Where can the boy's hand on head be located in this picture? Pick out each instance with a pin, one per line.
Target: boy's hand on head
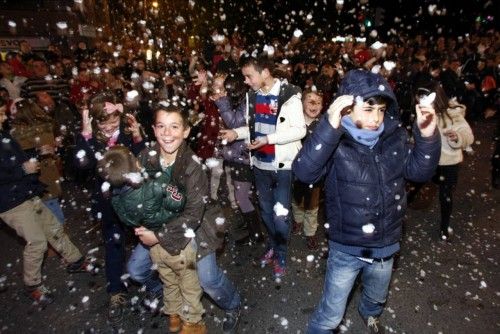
(335, 110)
(146, 236)
(426, 120)
(86, 122)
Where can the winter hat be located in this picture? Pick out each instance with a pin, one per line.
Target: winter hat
(367, 84)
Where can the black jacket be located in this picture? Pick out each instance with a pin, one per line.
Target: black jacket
(16, 186)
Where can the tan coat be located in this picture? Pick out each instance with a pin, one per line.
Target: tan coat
(451, 151)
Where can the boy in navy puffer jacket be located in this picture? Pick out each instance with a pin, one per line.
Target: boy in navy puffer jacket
(364, 156)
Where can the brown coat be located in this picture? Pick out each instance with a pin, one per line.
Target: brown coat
(188, 175)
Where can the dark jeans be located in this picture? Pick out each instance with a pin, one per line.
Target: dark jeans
(274, 188)
(113, 232)
(446, 177)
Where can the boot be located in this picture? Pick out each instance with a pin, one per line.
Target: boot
(310, 227)
(298, 218)
(252, 220)
(174, 323)
(239, 230)
(194, 328)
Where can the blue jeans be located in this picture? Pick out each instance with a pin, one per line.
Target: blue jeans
(216, 284)
(341, 273)
(55, 207)
(275, 187)
(213, 281)
(139, 268)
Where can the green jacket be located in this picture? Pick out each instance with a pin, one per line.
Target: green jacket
(151, 205)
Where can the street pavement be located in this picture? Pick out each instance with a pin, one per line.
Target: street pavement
(437, 287)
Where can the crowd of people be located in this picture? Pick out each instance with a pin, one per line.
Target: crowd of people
(291, 125)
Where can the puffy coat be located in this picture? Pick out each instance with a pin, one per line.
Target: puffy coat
(237, 150)
(362, 185)
(451, 151)
(197, 215)
(151, 205)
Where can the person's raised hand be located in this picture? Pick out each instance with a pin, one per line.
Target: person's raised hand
(86, 122)
(335, 110)
(426, 119)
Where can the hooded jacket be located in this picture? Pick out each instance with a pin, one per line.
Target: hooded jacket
(366, 186)
(151, 205)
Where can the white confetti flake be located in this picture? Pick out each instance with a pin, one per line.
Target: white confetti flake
(318, 147)
(220, 221)
(134, 178)
(152, 153)
(483, 285)
(212, 163)
(131, 95)
(98, 156)
(85, 299)
(297, 33)
(368, 228)
(280, 210)
(427, 100)
(105, 186)
(81, 154)
(189, 233)
(358, 100)
(381, 88)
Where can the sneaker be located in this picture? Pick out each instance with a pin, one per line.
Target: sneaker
(174, 323)
(267, 258)
(279, 270)
(40, 294)
(296, 228)
(231, 321)
(80, 266)
(117, 304)
(312, 243)
(373, 325)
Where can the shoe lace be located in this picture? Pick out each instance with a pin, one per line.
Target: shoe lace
(117, 300)
(372, 323)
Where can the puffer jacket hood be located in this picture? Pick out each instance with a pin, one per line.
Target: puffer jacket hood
(367, 84)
